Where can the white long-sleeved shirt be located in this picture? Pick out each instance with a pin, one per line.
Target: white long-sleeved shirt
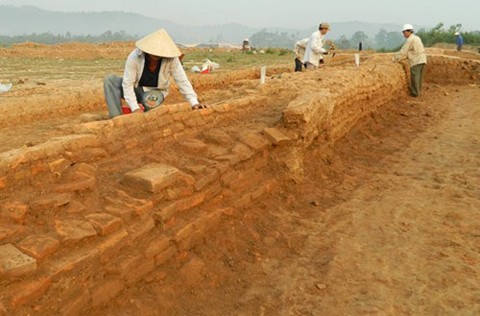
(413, 50)
(314, 50)
(170, 67)
(299, 48)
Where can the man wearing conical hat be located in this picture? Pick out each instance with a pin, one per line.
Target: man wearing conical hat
(146, 79)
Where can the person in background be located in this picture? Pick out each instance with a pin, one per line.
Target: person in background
(459, 41)
(146, 78)
(314, 50)
(414, 51)
(299, 50)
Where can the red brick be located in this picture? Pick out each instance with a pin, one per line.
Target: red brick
(39, 246)
(36, 169)
(15, 263)
(59, 165)
(103, 223)
(29, 291)
(177, 127)
(259, 192)
(255, 141)
(74, 230)
(165, 256)
(104, 292)
(156, 246)
(186, 237)
(75, 306)
(219, 137)
(175, 108)
(3, 310)
(105, 249)
(192, 146)
(79, 142)
(8, 231)
(125, 265)
(181, 116)
(241, 201)
(87, 184)
(195, 121)
(232, 159)
(230, 178)
(195, 169)
(152, 178)
(208, 222)
(124, 213)
(140, 228)
(140, 271)
(214, 151)
(88, 155)
(214, 191)
(112, 245)
(208, 177)
(15, 210)
(51, 202)
(243, 151)
(121, 200)
(75, 207)
(276, 137)
(261, 161)
(168, 210)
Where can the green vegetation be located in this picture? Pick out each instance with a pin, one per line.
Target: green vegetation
(236, 59)
(49, 38)
(439, 35)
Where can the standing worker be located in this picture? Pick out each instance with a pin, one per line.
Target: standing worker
(299, 50)
(414, 51)
(146, 79)
(459, 41)
(314, 51)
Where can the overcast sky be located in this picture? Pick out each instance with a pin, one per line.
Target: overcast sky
(298, 14)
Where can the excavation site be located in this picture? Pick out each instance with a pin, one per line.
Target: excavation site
(322, 192)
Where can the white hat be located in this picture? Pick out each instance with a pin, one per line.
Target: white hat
(456, 33)
(160, 44)
(407, 27)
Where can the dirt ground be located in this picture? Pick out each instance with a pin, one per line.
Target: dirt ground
(385, 223)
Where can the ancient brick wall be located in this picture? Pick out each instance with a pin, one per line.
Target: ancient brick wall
(88, 214)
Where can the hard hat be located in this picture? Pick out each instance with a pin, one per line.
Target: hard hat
(324, 25)
(456, 33)
(407, 27)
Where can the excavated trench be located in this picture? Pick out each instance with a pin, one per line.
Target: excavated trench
(94, 206)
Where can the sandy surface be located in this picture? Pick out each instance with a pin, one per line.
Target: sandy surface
(386, 223)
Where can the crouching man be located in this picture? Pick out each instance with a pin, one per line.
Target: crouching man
(146, 79)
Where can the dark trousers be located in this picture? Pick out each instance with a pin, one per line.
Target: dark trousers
(298, 65)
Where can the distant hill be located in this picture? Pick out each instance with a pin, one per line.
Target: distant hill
(28, 20)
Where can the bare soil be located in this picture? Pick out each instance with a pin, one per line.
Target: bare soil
(385, 223)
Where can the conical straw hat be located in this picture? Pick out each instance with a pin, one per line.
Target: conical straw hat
(159, 43)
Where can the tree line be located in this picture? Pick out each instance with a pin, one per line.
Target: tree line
(49, 38)
(382, 41)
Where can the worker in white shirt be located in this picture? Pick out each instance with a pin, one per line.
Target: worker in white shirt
(146, 78)
(299, 50)
(414, 51)
(315, 50)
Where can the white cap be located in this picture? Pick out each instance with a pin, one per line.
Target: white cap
(407, 27)
(456, 33)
